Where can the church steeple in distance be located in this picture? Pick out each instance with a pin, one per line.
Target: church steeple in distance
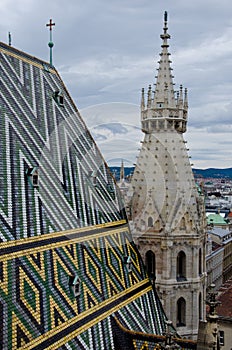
(122, 172)
(164, 104)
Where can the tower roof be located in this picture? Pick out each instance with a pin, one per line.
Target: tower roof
(164, 83)
(163, 103)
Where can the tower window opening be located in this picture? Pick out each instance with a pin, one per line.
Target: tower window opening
(181, 313)
(150, 222)
(150, 264)
(181, 267)
(200, 262)
(183, 224)
(200, 307)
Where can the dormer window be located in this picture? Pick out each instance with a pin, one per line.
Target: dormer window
(59, 98)
(128, 263)
(75, 285)
(33, 176)
(93, 177)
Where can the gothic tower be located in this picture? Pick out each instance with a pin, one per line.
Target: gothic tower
(166, 208)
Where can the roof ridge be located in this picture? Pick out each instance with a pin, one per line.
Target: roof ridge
(11, 49)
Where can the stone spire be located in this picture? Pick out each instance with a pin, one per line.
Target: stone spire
(164, 81)
(142, 100)
(122, 172)
(164, 105)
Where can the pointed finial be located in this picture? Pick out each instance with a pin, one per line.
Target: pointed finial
(50, 44)
(9, 38)
(165, 22)
(181, 92)
(165, 16)
(181, 96)
(185, 98)
(149, 97)
(177, 98)
(122, 172)
(165, 93)
(165, 34)
(142, 100)
(212, 301)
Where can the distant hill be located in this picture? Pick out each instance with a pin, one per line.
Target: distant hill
(214, 173)
(205, 173)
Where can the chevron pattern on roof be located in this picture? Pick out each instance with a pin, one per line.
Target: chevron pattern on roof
(38, 132)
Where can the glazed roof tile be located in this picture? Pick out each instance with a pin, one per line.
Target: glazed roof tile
(225, 297)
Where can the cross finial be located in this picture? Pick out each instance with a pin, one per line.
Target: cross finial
(50, 24)
(50, 44)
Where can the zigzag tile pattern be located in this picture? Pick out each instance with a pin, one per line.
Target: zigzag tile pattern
(75, 185)
(69, 224)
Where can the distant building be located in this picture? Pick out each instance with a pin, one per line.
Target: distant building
(123, 183)
(224, 238)
(216, 220)
(214, 264)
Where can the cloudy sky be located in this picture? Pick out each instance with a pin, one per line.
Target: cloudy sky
(106, 51)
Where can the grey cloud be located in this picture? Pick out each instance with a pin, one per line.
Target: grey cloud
(98, 137)
(115, 128)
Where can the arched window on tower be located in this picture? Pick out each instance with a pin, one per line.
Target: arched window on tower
(183, 224)
(200, 262)
(181, 267)
(200, 307)
(150, 264)
(150, 222)
(181, 313)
